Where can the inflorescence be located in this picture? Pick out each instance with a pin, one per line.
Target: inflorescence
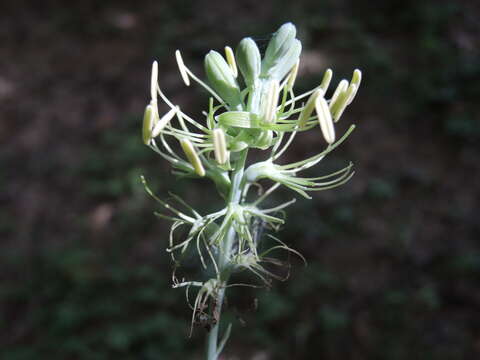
(258, 109)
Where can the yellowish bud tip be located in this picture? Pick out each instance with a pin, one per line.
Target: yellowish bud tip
(181, 67)
(270, 102)
(154, 81)
(325, 119)
(192, 157)
(220, 146)
(308, 108)
(293, 75)
(327, 77)
(231, 60)
(160, 125)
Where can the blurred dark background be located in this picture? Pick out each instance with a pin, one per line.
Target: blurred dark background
(394, 255)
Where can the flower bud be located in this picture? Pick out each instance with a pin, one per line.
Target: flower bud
(192, 157)
(231, 60)
(249, 60)
(308, 108)
(282, 52)
(221, 78)
(220, 146)
(325, 119)
(181, 67)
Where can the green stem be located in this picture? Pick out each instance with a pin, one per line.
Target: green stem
(224, 254)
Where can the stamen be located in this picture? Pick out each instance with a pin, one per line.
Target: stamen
(231, 60)
(356, 80)
(163, 122)
(148, 120)
(342, 102)
(327, 77)
(154, 81)
(192, 156)
(220, 146)
(308, 108)
(342, 86)
(270, 102)
(325, 119)
(293, 75)
(182, 68)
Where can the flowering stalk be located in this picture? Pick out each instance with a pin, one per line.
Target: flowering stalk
(257, 110)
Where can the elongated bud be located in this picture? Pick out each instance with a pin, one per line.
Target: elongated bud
(192, 157)
(249, 60)
(293, 75)
(221, 78)
(308, 108)
(356, 80)
(342, 87)
(270, 101)
(282, 52)
(327, 77)
(325, 119)
(154, 81)
(181, 67)
(220, 146)
(231, 60)
(160, 125)
(342, 102)
(148, 122)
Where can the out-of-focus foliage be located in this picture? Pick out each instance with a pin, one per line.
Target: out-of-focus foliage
(394, 258)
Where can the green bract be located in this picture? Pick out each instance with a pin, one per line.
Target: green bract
(258, 111)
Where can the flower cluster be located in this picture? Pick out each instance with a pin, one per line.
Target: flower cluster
(252, 105)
